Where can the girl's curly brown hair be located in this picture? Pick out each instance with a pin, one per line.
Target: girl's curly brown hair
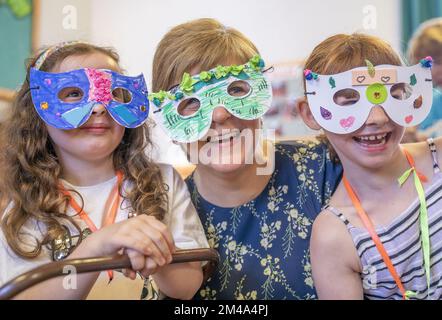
(31, 171)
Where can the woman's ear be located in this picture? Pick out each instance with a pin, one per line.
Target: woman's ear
(304, 111)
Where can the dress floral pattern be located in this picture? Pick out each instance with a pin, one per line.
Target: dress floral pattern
(264, 244)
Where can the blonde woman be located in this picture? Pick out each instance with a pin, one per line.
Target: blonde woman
(259, 223)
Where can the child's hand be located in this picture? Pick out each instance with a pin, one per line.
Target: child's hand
(146, 266)
(148, 242)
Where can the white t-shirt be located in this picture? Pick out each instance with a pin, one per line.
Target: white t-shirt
(182, 220)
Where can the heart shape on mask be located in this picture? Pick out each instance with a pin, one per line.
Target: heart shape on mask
(385, 79)
(360, 79)
(408, 119)
(347, 123)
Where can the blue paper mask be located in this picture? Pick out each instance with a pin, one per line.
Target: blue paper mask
(66, 100)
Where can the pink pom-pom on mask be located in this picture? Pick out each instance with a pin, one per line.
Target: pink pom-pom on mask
(309, 75)
(100, 86)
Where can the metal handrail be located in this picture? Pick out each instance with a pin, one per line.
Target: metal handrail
(84, 265)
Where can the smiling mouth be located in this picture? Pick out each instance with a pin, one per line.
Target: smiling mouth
(224, 137)
(374, 140)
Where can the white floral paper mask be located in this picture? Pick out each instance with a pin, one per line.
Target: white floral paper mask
(341, 103)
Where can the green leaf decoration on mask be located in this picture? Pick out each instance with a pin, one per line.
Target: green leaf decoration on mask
(158, 97)
(332, 82)
(370, 67)
(413, 80)
(187, 83)
(236, 70)
(205, 76)
(221, 71)
(256, 62)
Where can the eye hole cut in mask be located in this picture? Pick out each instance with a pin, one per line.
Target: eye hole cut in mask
(66, 100)
(185, 112)
(341, 103)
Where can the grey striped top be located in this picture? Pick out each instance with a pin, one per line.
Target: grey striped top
(401, 239)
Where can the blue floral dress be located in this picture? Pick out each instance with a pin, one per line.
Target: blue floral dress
(264, 244)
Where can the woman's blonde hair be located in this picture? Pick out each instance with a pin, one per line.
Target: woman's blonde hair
(426, 41)
(343, 52)
(202, 43)
(30, 169)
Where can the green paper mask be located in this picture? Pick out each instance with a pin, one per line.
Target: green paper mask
(186, 112)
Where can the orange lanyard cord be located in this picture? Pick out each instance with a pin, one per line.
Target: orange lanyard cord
(374, 236)
(410, 159)
(109, 218)
(370, 228)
